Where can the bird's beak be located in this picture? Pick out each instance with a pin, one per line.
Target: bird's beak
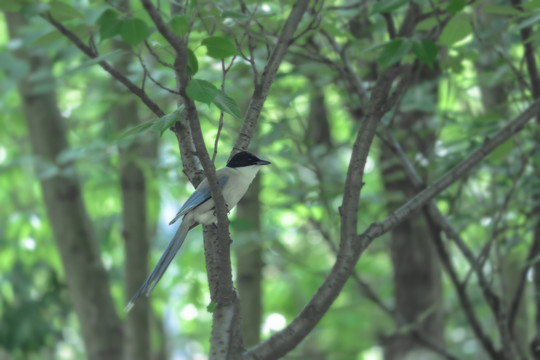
(263, 162)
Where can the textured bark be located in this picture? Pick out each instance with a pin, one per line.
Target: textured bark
(534, 78)
(511, 265)
(135, 229)
(134, 221)
(318, 130)
(535, 344)
(417, 275)
(249, 265)
(495, 100)
(86, 277)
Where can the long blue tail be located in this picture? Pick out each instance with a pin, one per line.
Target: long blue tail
(162, 264)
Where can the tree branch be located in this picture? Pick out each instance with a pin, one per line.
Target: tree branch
(490, 144)
(106, 66)
(174, 40)
(283, 341)
(263, 86)
(289, 337)
(438, 223)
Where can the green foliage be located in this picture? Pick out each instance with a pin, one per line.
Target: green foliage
(201, 90)
(134, 31)
(26, 324)
(62, 11)
(227, 104)
(219, 47)
(160, 125)
(387, 6)
(211, 307)
(457, 29)
(393, 52)
(109, 24)
(455, 6)
(205, 92)
(426, 51)
(193, 63)
(305, 184)
(180, 25)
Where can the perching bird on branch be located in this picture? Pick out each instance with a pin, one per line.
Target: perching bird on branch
(234, 180)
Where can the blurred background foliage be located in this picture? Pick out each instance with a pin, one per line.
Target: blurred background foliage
(497, 204)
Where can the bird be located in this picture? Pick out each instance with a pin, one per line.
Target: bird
(234, 180)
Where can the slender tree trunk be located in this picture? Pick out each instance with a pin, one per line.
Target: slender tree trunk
(249, 265)
(135, 233)
(135, 230)
(535, 344)
(134, 226)
(495, 100)
(86, 277)
(417, 275)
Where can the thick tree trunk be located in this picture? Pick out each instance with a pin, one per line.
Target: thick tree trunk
(86, 277)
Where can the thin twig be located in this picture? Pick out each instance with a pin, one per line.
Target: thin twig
(156, 56)
(158, 84)
(362, 285)
(106, 66)
(263, 86)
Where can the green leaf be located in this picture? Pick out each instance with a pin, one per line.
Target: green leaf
(201, 90)
(94, 61)
(427, 24)
(180, 25)
(10, 5)
(371, 48)
(48, 38)
(531, 5)
(81, 30)
(211, 307)
(219, 47)
(109, 24)
(386, 6)
(165, 122)
(134, 31)
(526, 23)
(160, 125)
(455, 6)
(29, 10)
(426, 51)
(502, 152)
(393, 52)
(501, 10)
(62, 11)
(234, 15)
(192, 64)
(227, 104)
(136, 130)
(457, 29)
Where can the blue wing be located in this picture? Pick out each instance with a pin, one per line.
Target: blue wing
(200, 195)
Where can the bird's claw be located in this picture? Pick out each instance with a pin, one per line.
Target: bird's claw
(226, 206)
